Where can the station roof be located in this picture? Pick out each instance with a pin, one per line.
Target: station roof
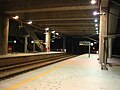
(67, 17)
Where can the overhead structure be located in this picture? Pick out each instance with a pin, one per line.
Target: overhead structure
(75, 17)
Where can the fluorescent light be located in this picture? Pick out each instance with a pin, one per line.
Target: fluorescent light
(52, 41)
(57, 33)
(96, 28)
(96, 25)
(96, 20)
(15, 41)
(52, 31)
(32, 41)
(91, 44)
(46, 29)
(93, 1)
(15, 17)
(30, 22)
(95, 13)
(95, 42)
(97, 32)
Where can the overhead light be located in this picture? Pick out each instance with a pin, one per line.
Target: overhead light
(93, 1)
(30, 22)
(96, 25)
(15, 17)
(15, 41)
(95, 13)
(91, 44)
(46, 29)
(104, 13)
(32, 41)
(95, 42)
(52, 41)
(96, 28)
(52, 31)
(57, 33)
(96, 20)
(97, 32)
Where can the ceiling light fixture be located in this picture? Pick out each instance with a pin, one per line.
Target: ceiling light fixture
(91, 44)
(46, 29)
(30, 22)
(32, 41)
(52, 31)
(95, 13)
(96, 25)
(57, 33)
(15, 17)
(97, 32)
(96, 28)
(93, 1)
(15, 41)
(96, 20)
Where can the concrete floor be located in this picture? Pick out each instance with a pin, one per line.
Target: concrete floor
(79, 73)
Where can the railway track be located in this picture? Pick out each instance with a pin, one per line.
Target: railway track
(13, 70)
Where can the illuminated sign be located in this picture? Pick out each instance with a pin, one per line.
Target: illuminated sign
(84, 43)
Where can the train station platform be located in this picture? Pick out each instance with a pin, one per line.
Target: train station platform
(26, 54)
(78, 73)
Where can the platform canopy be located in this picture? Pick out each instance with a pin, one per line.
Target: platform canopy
(67, 17)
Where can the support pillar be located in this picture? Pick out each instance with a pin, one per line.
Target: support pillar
(26, 43)
(89, 48)
(103, 39)
(34, 46)
(109, 47)
(47, 41)
(64, 44)
(4, 29)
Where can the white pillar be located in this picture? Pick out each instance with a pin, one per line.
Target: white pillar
(4, 29)
(110, 48)
(102, 38)
(47, 41)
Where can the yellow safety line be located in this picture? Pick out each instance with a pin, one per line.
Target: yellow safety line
(35, 77)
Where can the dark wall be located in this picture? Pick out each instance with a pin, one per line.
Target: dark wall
(116, 46)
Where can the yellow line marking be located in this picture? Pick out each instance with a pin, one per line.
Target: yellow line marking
(35, 77)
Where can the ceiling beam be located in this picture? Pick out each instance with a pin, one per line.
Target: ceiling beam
(74, 30)
(33, 10)
(69, 27)
(63, 24)
(63, 19)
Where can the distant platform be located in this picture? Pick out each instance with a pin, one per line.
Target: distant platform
(27, 54)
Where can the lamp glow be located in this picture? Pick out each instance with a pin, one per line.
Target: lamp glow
(15, 17)
(57, 33)
(91, 44)
(93, 1)
(52, 31)
(30, 22)
(32, 41)
(96, 20)
(46, 29)
(97, 32)
(96, 25)
(95, 13)
(96, 28)
(15, 41)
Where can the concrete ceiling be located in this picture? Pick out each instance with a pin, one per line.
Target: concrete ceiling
(68, 17)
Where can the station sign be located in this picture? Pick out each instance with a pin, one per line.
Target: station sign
(84, 43)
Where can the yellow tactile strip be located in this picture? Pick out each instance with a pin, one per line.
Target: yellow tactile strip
(12, 87)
